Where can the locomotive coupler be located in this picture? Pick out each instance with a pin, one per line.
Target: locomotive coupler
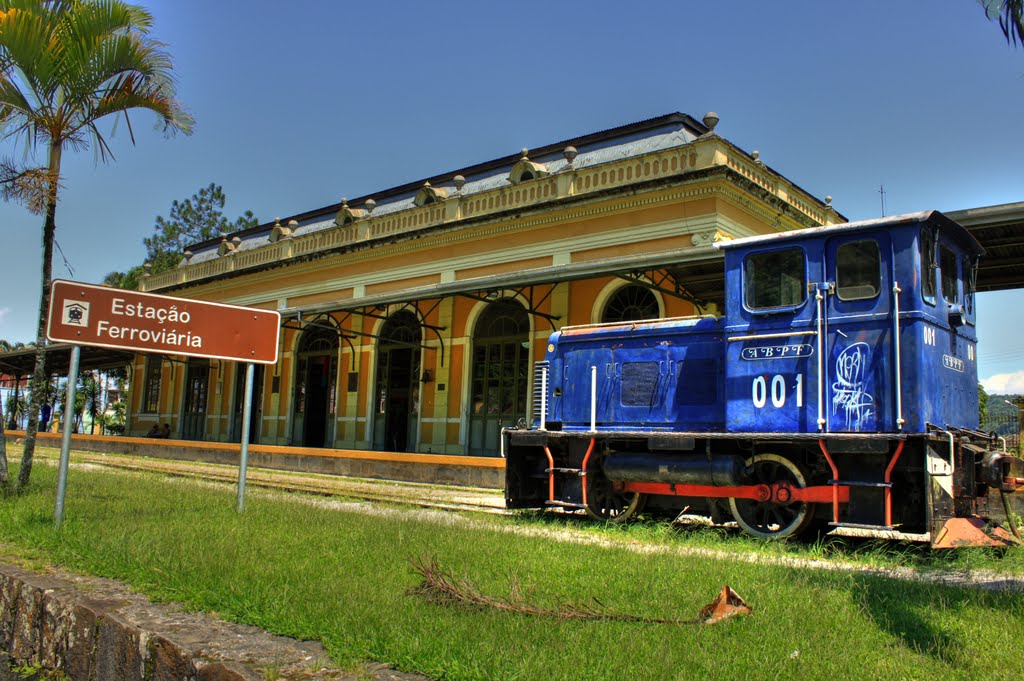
(997, 471)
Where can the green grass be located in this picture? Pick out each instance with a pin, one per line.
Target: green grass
(295, 567)
(865, 552)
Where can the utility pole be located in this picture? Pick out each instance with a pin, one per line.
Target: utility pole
(881, 191)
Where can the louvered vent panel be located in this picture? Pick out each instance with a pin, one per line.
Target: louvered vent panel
(538, 381)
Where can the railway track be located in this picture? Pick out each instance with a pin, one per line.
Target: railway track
(471, 499)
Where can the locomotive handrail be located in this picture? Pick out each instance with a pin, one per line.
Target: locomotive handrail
(593, 399)
(818, 298)
(896, 350)
(759, 336)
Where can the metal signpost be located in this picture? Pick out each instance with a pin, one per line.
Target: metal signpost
(85, 314)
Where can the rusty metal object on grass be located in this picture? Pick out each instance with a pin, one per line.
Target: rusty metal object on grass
(727, 604)
(973, 531)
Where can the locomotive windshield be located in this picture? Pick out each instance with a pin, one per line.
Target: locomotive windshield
(774, 279)
(858, 270)
(950, 279)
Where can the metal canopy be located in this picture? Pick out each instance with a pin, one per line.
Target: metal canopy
(684, 261)
(1000, 230)
(22, 362)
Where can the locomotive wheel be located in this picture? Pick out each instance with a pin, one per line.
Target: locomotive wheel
(768, 519)
(604, 503)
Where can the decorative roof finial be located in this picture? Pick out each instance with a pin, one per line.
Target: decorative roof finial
(570, 154)
(459, 181)
(711, 120)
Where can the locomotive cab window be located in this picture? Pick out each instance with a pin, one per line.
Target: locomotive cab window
(928, 266)
(858, 270)
(777, 279)
(950, 276)
(970, 269)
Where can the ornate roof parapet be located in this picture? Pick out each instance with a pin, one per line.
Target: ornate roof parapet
(347, 215)
(525, 169)
(281, 232)
(228, 247)
(428, 195)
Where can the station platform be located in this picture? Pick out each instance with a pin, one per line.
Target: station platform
(440, 469)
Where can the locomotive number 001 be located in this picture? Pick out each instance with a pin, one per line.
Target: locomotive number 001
(760, 391)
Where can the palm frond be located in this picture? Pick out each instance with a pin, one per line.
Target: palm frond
(1010, 15)
(29, 186)
(66, 65)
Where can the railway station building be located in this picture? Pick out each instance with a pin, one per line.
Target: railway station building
(411, 317)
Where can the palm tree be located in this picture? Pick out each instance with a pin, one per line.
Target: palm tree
(3, 450)
(92, 397)
(65, 66)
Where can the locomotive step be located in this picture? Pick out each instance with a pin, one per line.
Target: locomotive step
(863, 526)
(565, 504)
(851, 483)
(577, 471)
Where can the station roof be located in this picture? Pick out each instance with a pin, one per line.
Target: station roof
(627, 141)
(1000, 230)
(21, 362)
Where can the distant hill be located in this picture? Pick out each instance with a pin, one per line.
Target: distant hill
(997, 405)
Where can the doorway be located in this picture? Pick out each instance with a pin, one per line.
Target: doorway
(256, 417)
(396, 404)
(501, 364)
(314, 399)
(197, 384)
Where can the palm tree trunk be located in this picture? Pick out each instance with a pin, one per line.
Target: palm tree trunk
(40, 378)
(3, 449)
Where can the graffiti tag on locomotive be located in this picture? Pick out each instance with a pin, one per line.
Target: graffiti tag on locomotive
(839, 390)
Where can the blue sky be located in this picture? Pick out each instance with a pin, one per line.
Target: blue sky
(299, 104)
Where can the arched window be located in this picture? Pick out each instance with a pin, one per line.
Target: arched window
(631, 303)
(500, 373)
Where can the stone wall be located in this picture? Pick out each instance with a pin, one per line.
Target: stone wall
(91, 629)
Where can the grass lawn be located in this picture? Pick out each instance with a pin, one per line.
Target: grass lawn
(298, 566)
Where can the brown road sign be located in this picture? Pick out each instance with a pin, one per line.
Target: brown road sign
(85, 314)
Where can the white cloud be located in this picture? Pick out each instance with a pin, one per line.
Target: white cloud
(1004, 384)
(4, 311)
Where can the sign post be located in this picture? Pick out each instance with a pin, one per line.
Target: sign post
(85, 314)
(65, 442)
(243, 463)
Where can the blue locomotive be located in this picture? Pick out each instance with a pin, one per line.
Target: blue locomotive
(839, 390)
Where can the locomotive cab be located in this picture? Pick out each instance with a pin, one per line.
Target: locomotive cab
(838, 391)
